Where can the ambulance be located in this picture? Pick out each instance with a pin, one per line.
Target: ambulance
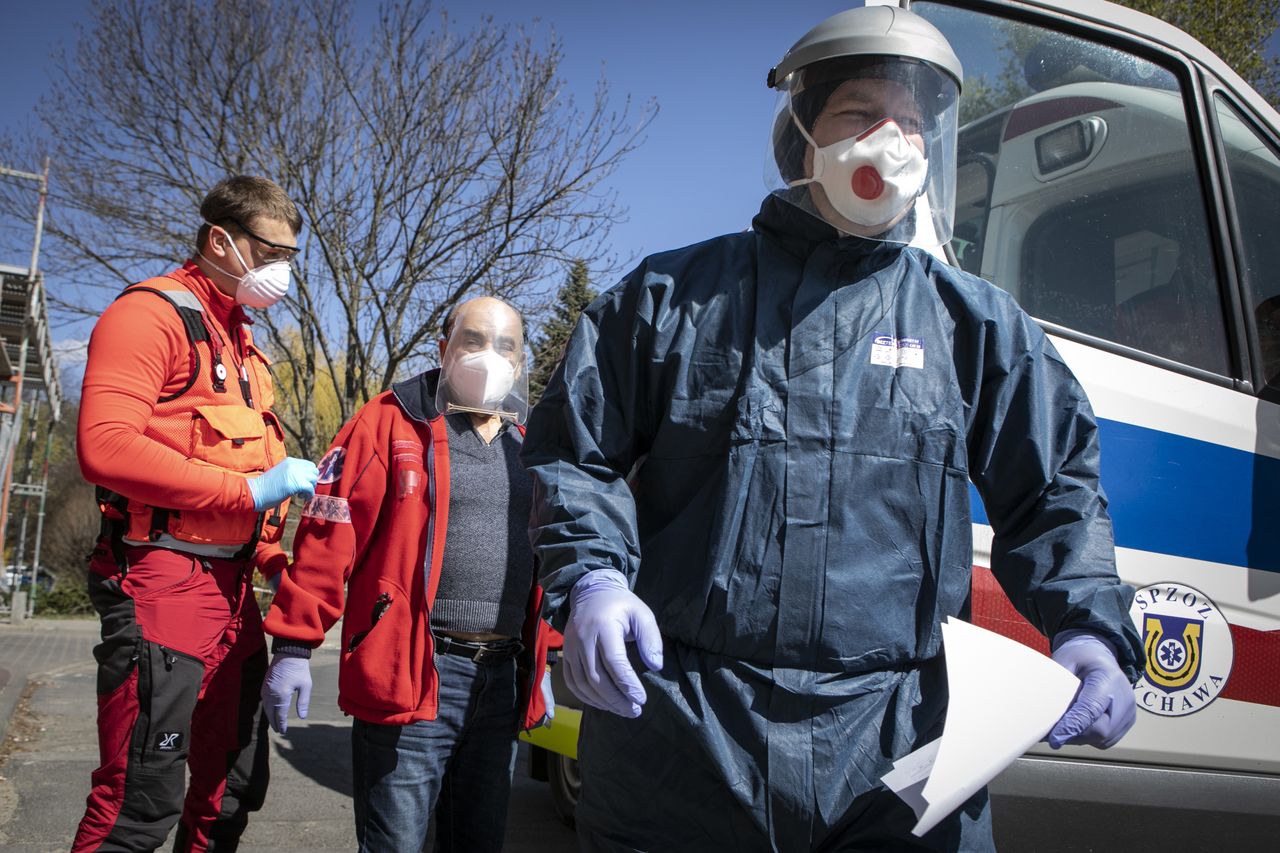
(1123, 184)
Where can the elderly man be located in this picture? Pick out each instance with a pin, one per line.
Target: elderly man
(754, 463)
(176, 431)
(421, 514)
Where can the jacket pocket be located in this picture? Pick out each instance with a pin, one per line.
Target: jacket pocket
(230, 437)
(377, 667)
(408, 472)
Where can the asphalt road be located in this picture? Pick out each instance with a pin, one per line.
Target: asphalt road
(50, 748)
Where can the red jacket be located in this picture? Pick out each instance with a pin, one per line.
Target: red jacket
(379, 516)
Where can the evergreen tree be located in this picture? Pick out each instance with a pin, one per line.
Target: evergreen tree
(574, 295)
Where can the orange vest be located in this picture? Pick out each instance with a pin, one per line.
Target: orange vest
(213, 420)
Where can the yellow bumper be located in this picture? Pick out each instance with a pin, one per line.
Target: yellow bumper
(561, 736)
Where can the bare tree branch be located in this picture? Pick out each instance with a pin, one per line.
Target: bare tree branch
(430, 165)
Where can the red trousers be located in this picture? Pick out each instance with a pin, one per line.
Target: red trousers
(180, 664)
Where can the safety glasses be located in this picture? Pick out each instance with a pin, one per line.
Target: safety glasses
(289, 252)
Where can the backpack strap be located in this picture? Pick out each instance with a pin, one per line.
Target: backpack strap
(191, 312)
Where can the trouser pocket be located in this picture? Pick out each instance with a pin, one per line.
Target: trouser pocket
(168, 685)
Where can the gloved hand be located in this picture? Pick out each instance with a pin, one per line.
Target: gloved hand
(1104, 708)
(286, 478)
(548, 698)
(287, 675)
(603, 615)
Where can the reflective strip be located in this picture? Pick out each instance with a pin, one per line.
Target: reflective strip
(1129, 391)
(1170, 494)
(328, 508)
(1254, 677)
(183, 299)
(1255, 672)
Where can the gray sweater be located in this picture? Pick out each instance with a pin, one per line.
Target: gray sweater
(487, 569)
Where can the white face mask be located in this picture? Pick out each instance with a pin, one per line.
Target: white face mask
(481, 379)
(261, 287)
(869, 179)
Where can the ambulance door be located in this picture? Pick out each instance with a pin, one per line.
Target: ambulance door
(1130, 205)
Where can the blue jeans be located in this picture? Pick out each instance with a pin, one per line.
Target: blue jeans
(458, 765)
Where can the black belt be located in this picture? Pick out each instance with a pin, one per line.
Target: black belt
(495, 651)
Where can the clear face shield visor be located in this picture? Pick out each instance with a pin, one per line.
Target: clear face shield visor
(868, 145)
(485, 368)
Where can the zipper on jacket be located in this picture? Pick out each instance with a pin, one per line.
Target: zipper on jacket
(429, 460)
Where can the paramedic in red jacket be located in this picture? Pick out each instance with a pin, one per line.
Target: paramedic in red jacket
(417, 537)
(177, 433)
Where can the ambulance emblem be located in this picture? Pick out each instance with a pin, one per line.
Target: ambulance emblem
(1187, 647)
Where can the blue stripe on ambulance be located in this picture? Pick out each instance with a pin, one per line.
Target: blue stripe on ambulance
(1170, 494)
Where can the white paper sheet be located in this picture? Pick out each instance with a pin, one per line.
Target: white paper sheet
(909, 774)
(1005, 697)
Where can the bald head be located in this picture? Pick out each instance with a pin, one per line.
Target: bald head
(485, 303)
(485, 323)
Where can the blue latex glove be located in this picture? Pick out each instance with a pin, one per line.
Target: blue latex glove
(548, 698)
(604, 614)
(287, 675)
(287, 478)
(1104, 708)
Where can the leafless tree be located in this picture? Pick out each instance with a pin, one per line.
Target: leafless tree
(430, 165)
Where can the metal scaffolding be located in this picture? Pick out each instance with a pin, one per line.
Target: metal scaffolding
(28, 372)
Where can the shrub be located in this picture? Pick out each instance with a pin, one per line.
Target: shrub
(69, 597)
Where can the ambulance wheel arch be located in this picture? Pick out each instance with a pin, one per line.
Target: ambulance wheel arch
(562, 769)
(566, 785)
(555, 757)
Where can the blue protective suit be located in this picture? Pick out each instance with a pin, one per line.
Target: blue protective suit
(772, 433)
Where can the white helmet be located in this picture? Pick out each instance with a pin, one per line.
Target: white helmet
(864, 134)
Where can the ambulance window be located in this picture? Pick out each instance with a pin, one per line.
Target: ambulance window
(1131, 265)
(1254, 171)
(1077, 188)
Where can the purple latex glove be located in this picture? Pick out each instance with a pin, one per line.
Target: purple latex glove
(1104, 708)
(604, 614)
(548, 698)
(287, 675)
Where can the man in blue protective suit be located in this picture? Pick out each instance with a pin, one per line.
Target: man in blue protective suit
(754, 463)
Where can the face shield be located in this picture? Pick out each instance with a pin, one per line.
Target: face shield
(868, 144)
(484, 369)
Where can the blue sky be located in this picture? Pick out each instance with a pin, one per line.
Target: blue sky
(700, 172)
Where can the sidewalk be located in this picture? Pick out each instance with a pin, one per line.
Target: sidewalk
(51, 748)
(32, 654)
